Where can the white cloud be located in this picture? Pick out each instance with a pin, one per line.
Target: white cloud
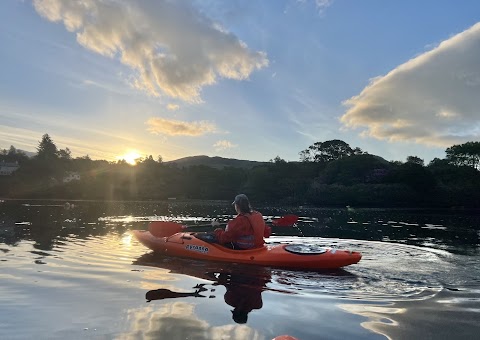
(322, 5)
(433, 99)
(179, 128)
(173, 48)
(173, 107)
(223, 145)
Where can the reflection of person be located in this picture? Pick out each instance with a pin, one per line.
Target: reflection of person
(246, 230)
(243, 290)
(244, 294)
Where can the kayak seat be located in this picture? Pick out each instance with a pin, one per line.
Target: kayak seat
(206, 237)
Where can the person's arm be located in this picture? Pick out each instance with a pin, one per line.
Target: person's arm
(267, 232)
(235, 230)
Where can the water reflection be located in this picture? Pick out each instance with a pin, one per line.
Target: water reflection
(46, 223)
(243, 284)
(67, 273)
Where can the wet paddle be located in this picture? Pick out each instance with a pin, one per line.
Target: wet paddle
(168, 228)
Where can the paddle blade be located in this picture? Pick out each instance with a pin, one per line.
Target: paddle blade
(285, 221)
(164, 228)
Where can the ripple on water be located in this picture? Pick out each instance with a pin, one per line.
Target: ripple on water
(387, 271)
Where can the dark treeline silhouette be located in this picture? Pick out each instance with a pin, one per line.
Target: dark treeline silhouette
(329, 173)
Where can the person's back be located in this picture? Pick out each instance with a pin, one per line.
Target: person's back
(246, 230)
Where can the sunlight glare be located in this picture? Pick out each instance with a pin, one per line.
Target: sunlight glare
(130, 157)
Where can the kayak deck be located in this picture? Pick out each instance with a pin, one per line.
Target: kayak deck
(185, 244)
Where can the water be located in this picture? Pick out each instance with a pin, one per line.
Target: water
(76, 273)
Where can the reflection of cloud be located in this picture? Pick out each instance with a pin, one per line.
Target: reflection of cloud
(178, 321)
(223, 145)
(173, 47)
(379, 317)
(176, 127)
(431, 99)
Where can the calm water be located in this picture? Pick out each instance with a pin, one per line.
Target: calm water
(78, 274)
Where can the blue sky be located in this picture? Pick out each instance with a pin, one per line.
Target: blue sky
(239, 79)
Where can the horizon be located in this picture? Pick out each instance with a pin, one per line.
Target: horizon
(126, 79)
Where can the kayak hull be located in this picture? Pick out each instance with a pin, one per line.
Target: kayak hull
(185, 244)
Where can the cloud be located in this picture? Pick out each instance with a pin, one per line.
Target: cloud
(433, 99)
(173, 107)
(322, 5)
(178, 128)
(223, 145)
(173, 49)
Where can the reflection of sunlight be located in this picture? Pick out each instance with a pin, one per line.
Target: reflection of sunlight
(178, 321)
(377, 322)
(127, 240)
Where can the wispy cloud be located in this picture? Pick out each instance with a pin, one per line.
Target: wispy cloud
(173, 127)
(173, 107)
(173, 48)
(322, 5)
(432, 99)
(223, 145)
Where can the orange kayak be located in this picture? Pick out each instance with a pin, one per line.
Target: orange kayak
(294, 256)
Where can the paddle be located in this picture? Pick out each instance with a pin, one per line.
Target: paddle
(285, 221)
(168, 228)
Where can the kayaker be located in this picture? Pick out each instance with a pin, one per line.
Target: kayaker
(246, 230)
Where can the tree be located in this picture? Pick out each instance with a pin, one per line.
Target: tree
(277, 160)
(355, 169)
(328, 151)
(65, 154)
(415, 160)
(465, 154)
(47, 150)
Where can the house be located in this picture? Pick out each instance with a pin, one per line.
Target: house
(6, 169)
(71, 176)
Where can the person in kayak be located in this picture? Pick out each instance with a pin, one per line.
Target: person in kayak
(246, 230)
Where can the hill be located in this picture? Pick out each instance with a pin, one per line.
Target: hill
(214, 162)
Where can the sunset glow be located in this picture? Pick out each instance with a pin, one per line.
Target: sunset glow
(186, 78)
(130, 157)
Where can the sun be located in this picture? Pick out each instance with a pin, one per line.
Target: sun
(130, 157)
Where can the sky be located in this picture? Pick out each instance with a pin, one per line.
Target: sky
(238, 79)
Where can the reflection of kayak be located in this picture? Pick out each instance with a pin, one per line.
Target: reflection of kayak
(297, 256)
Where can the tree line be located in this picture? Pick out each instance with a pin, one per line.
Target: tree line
(329, 173)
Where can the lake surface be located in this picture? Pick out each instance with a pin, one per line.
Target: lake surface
(74, 272)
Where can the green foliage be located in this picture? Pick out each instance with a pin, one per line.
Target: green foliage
(415, 160)
(13, 155)
(328, 151)
(414, 175)
(333, 175)
(355, 169)
(47, 150)
(465, 154)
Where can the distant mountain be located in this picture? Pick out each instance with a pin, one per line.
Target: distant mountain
(28, 153)
(214, 162)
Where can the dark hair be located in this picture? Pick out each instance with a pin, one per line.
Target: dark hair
(243, 203)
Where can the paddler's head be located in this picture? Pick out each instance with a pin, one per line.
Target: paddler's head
(239, 316)
(242, 204)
